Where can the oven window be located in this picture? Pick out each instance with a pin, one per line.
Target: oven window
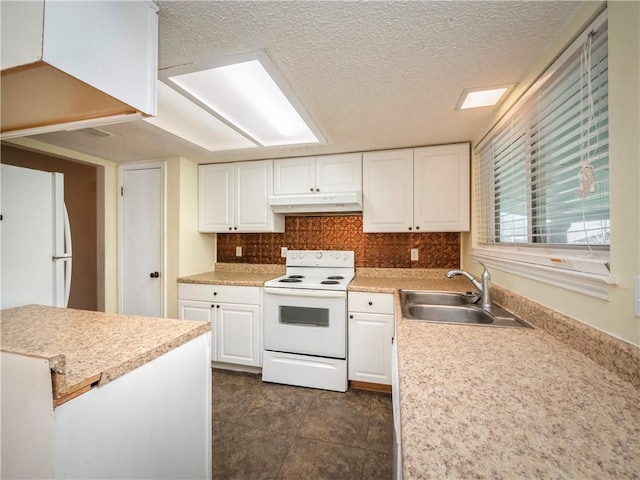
(313, 317)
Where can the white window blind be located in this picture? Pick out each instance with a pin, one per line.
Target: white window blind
(542, 173)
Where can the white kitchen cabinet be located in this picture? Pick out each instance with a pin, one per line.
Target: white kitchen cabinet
(234, 198)
(235, 316)
(74, 61)
(322, 174)
(442, 188)
(371, 331)
(424, 189)
(387, 203)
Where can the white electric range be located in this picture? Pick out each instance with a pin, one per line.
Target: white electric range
(305, 320)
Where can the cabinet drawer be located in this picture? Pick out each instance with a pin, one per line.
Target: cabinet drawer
(219, 293)
(371, 302)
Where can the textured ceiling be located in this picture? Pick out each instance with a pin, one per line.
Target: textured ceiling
(371, 75)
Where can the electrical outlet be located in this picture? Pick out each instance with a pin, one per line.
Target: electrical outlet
(283, 251)
(238, 251)
(414, 254)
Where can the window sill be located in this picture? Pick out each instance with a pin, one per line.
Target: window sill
(588, 276)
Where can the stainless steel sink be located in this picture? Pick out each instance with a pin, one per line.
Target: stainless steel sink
(448, 314)
(437, 298)
(450, 307)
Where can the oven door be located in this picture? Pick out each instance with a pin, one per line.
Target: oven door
(309, 322)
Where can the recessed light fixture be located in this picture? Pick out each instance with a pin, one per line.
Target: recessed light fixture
(243, 94)
(482, 97)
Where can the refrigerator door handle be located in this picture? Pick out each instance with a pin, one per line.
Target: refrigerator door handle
(67, 233)
(67, 280)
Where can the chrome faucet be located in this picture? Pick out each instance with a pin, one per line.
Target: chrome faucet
(484, 288)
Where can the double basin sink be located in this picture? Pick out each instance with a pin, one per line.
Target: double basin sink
(450, 307)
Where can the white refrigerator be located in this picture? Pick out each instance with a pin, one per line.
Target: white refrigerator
(35, 236)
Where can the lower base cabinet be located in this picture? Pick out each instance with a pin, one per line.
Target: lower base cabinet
(236, 327)
(371, 329)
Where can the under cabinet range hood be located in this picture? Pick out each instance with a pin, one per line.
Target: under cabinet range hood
(317, 203)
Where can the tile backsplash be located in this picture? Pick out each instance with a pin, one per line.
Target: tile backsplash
(376, 250)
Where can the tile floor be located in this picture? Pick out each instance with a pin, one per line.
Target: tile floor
(269, 431)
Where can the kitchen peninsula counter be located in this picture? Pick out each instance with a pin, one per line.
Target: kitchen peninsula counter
(86, 348)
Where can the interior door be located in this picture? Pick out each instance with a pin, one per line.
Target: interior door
(142, 217)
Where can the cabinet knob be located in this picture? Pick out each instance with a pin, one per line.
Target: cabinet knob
(350, 316)
(215, 293)
(317, 189)
(230, 228)
(235, 228)
(417, 227)
(154, 274)
(311, 189)
(410, 228)
(212, 306)
(217, 306)
(370, 303)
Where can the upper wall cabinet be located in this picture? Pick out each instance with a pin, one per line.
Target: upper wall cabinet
(65, 62)
(424, 189)
(233, 198)
(323, 174)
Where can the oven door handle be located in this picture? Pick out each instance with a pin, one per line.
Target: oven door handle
(300, 292)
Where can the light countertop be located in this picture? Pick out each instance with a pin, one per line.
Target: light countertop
(486, 402)
(239, 274)
(87, 348)
(482, 402)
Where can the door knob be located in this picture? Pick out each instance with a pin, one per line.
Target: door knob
(154, 274)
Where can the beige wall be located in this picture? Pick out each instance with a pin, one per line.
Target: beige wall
(616, 315)
(188, 251)
(107, 189)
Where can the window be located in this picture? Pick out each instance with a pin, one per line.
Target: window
(542, 173)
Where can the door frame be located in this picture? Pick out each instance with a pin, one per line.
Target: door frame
(122, 167)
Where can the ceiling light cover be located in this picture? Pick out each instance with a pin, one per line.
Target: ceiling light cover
(481, 97)
(246, 96)
(178, 115)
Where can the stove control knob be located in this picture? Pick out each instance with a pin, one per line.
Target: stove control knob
(336, 255)
(345, 255)
(294, 255)
(318, 255)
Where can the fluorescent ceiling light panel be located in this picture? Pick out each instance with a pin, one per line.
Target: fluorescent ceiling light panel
(481, 97)
(246, 96)
(180, 116)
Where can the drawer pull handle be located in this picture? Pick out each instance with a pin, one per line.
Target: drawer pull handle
(370, 303)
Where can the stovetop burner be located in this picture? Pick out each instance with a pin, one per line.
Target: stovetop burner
(316, 270)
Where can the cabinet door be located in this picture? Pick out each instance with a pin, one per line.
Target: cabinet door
(238, 336)
(370, 338)
(442, 188)
(387, 183)
(110, 45)
(253, 185)
(216, 198)
(201, 311)
(339, 173)
(294, 176)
